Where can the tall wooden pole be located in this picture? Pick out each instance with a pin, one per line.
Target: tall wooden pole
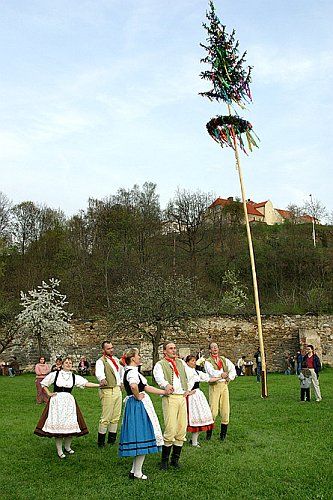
(264, 392)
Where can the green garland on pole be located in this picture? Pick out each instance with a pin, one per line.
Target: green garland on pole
(223, 129)
(231, 83)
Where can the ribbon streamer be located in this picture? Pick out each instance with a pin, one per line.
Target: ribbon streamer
(223, 129)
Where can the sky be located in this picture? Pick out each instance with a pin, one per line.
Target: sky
(97, 95)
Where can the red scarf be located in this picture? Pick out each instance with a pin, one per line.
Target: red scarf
(218, 362)
(172, 361)
(112, 361)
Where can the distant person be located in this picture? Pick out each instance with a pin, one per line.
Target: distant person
(305, 381)
(109, 373)
(257, 357)
(314, 365)
(83, 368)
(41, 370)
(240, 366)
(14, 367)
(57, 365)
(299, 361)
(221, 367)
(62, 418)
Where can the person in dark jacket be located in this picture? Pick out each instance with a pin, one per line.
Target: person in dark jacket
(314, 365)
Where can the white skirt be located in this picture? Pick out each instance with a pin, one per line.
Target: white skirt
(62, 418)
(199, 414)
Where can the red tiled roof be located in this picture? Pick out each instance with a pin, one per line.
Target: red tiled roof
(261, 204)
(286, 214)
(250, 208)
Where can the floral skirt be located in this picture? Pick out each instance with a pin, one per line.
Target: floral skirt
(199, 415)
(61, 417)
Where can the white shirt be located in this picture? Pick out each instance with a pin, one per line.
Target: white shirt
(240, 362)
(100, 372)
(194, 376)
(217, 373)
(162, 382)
(65, 379)
(134, 377)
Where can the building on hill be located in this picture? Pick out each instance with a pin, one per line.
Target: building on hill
(263, 212)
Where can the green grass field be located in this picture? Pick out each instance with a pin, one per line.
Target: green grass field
(278, 448)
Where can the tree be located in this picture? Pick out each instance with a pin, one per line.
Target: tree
(234, 298)
(43, 312)
(188, 213)
(315, 209)
(5, 206)
(153, 304)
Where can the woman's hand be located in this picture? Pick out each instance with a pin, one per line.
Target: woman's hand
(140, 396)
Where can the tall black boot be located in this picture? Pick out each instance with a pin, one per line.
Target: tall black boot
(176, 451)
(166, 450)
(101, 440)
(223, 433)
(209, 434)
(112, 437)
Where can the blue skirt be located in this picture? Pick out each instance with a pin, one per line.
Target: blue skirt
(137, 435)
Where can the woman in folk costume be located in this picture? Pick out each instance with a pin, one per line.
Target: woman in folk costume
(140, 432)
(62, 417)
(198, 412)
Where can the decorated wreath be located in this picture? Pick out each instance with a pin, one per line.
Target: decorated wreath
(225, 130)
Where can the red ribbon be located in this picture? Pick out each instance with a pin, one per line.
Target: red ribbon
(112, 361)
(172, 361)
(218, 362)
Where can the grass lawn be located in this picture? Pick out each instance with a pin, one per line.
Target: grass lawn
(278, 448)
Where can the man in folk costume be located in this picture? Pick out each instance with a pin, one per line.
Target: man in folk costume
(219, 366)
(109, 373)
(170, 375)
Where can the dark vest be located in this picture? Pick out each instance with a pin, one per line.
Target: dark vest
(56, 388)
(127, 387)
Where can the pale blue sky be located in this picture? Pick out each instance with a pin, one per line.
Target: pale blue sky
(101, 94)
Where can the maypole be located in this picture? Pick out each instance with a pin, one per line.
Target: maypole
(231, 85)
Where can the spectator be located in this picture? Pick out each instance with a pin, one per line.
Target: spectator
(57, 366)
(41, 370)
(240, 366)
(299, 361)
(305, 380)
(14, 367)
(314, 365)
(83, 367)
(257, 356)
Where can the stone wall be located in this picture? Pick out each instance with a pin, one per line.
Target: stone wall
(236, 336)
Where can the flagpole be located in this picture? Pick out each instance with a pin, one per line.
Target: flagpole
(264, 391)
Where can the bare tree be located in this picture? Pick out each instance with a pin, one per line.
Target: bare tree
(153, 304)
(188, 213)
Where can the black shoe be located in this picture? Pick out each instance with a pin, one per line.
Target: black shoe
(176, 451)
(166, 450)
(209, 435)
(223, 433)
(112, 438)
(131, 475)
(101, 440)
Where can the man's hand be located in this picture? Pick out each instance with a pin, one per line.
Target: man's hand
(103, 382)
(169, 389)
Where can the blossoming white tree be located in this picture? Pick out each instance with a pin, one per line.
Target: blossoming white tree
(43, 312)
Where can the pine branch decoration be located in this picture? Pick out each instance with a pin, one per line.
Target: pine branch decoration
(231, 81)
